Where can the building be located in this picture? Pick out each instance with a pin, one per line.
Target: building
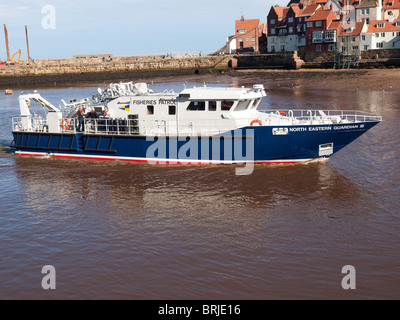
(381, 34)
(276, 20)
(349, 40)
(301, 18)
(368, 10)
(250, 36)
(391, 7)
(322, 31)
(283, 32)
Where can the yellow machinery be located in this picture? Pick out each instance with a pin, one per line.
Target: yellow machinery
(13, 56)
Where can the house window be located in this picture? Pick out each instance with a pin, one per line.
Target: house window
(383, 34)
(379, 44)
(282, 48)
(309, 24)
(272, 21)
(242, 31)
(273, 31)
(290, 29)
(355, 47)
(318, 36)
(362, 11)
(353, 39)
(290, 19)
(398, 33)
(150, 109)
(240, 40)
(363, 38)
(377, 35)
(318, 23)
(318, 48)
(366, 47)
(397, 23)
(253, 39)
(380, 25)
(367, 21)
(367, 11)
(331, 47)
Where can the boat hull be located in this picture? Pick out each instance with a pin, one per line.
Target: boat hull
(263, 144)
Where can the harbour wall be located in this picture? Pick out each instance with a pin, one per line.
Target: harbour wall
(41, 72)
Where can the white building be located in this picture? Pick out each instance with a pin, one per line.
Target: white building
(381, 34)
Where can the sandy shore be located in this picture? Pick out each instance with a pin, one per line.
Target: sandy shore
(348, 79)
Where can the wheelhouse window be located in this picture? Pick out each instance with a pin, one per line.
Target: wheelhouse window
(256, 103)
(197, 106)
(150, 109)
(171, 110)
(212, 106)
(226, 105)
(242, 105)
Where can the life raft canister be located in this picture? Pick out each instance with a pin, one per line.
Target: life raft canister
(65, 124)
(256, 121)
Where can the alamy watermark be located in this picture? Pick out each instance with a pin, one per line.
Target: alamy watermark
(349, 281)
(49, 20)
(236, 147)
(49, 280)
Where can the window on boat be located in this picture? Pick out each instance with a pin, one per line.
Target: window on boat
(226, 105)
(150, 109)
(171, 110)
(212, 106)
(242, 105)
(256, 103)
(197, 106)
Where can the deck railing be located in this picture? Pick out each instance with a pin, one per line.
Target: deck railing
(198, 126)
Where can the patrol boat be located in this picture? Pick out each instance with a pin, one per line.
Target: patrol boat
(199, 125)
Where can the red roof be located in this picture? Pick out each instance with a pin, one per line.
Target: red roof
(322, 14)
(281, 11)
(388, 26)
(354, 32)
(308, 11)
(391, 4)
(248, 24)
(335, 25)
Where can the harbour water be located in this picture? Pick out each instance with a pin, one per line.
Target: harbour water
(116, 230)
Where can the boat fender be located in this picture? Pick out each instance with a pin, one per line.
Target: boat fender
(256, 121)
(65, 124)
(282, 113)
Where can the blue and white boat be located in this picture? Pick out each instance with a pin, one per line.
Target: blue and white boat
(199, 125)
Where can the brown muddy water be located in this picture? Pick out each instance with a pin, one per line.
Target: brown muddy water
(139, 231)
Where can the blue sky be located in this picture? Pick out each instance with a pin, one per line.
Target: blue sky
(123, 27)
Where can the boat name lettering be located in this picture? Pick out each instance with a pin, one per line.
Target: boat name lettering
(154, 102)
(149, 102)
(297, 129)
(326, 128)
(355, 126)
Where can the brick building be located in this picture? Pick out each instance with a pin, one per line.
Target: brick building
(250, 36)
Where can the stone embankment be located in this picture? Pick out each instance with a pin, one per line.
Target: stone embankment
(96, 69)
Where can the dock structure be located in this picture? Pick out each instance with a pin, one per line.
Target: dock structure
(346, 61)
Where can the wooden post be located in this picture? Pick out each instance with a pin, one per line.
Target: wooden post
(8, 49)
